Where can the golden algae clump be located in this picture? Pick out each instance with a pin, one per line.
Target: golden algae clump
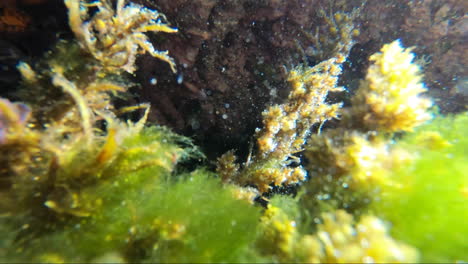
(116, 37)
(342, 153)
(347, 169)
(339, 240)
(227, 167)
(349, 164)
(286, 128)
(336, 238)
(278, 234)
(389, 99)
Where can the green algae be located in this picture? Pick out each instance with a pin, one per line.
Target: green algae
(142, 213)
(427, 204)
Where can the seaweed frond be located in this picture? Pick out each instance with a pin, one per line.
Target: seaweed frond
(116, 36)
(286, 128)
(390, 97)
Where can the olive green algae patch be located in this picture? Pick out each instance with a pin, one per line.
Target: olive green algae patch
(194, 220)
(217, 227)
(428, 203)
(135, 210)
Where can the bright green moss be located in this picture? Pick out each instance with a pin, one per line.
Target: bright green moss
(218, 227)
(428, 204)
(141, 212)
(287, 204)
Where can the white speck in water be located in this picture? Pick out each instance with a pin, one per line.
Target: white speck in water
(224, 116)
(153, 81)
(273, 92)
(227, 106)
(323, 196)
(180, 78)
(261, 60)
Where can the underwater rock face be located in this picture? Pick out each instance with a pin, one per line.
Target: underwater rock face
(232, 56)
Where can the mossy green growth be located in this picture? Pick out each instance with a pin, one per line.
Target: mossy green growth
(289, 205)
(218, 227)
(428, 204)
(134, 210)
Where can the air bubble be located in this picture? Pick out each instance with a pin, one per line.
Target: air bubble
(180, 78)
